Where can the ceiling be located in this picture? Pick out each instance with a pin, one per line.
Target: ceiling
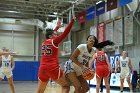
(41, 9)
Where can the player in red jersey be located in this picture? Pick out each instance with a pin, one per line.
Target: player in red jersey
(102, 69)
(49, 66)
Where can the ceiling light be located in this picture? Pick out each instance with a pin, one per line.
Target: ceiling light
(98, 2)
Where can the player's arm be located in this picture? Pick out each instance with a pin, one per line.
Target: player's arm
(117, 63)
(2, 53)
(107, 61)
(59, 25)
(91, 62)
(74, 57)
(130, 65)
(13, 62)
(59, 38)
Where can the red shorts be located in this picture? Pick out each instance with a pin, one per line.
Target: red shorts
(102, 71)
(49, 71)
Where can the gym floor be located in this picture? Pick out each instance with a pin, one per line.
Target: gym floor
(30, 87)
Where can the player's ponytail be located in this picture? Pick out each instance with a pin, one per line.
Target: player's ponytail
(104, 43)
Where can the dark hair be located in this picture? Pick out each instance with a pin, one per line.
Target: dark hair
(101, 44)
(104, 43)
(100, 49)
(49, 32)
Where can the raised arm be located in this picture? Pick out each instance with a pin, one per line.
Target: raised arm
(59, 24)
(9, 52)
(61, 37)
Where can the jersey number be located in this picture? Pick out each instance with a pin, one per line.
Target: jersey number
(101, 57)
(46, 50)
(123, 64)
(6, 64)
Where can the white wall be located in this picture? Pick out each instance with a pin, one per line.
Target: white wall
(18, 38)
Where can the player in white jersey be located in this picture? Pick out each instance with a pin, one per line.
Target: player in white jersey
(81, 56)
(126, 69)
(79, 61)
(7, 65)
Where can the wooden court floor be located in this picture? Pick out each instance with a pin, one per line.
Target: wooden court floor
(30, 87)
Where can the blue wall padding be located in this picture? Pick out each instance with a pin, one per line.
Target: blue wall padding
(25, 71)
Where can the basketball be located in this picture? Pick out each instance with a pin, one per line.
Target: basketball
(88, 76)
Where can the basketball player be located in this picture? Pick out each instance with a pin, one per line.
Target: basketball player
(6, 69)
(74, 67)
(126, 70)
(49, 66)
(79, 62)
(102, 69)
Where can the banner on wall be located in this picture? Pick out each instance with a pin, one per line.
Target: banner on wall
(90, 13)
(81, 17)
(101, 32)
(109, 30)
(100, 8)
(117, 35)
(124, 2)
(111, 4)
(128, 22)
(93, 31)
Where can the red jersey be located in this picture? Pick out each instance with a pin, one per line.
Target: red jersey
(100, 58)
(50, 47)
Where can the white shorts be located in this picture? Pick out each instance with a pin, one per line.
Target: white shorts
(72, 67)
(5, 72)
(125, 74)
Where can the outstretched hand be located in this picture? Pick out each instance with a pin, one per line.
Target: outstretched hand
(59, 24)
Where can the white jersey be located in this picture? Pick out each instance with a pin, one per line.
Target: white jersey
(125, 71)
(84, 55)
(124, 63)
(6, 62)
(83, 58)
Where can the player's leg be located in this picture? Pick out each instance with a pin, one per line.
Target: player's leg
(101, 86)
(107, 85)
(1, 75)
(98, 82)
(10, 81)
(61, 80)
(84, 84)
(99, 76)
(71, 73)
(72, 76)
(129, 83)
(106, 74)
(8, 73)
(43, 79)
(41, 86)
(121, 81)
